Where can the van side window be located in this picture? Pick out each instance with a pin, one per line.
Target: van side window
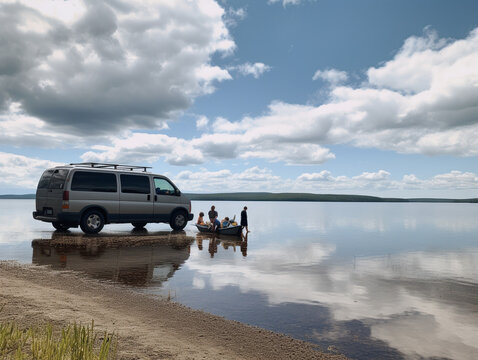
(45, 179)
(135, 184)
(93, 181)
(163, 187)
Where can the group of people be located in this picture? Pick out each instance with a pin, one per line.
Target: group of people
(215, 223)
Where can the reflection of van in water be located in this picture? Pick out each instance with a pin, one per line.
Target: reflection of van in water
(152, 263)
(94, 194)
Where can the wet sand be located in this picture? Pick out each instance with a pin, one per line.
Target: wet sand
(147, 327)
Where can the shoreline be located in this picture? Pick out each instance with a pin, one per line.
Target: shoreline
(148, 327)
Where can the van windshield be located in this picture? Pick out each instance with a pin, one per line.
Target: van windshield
(53, 179)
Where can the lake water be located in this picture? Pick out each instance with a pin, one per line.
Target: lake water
(370, 280)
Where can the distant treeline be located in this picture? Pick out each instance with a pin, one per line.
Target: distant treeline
(265, 196)
(24, 196)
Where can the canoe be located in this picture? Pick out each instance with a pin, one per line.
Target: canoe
(231, 230)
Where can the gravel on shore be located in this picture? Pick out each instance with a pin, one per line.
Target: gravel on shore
(147, 327)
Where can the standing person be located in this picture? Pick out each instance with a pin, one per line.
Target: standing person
(213, 218)
(244, 219)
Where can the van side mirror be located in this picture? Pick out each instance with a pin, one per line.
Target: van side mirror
(177, 192)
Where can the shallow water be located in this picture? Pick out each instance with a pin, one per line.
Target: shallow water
(372, 280)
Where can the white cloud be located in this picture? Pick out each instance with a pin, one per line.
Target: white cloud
(202, 122)
(333, 76)
(436, 113)
(256, 70)
(91, 67)
(21, 171)
(146, 148)
(285, 2)
(234, 16)
(382, 180)
(252, 179)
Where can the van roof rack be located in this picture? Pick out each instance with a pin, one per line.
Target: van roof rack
(112, 166)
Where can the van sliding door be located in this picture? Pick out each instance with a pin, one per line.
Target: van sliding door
(136, 202)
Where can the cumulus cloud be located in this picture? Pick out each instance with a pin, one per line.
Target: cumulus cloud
(383, 181)
(258, 179)
(284, 2)
(332, 76)
(251, 179)
(19, 170)
(93, 67)
(22, 171)
(434, 113)
(202, 122)
(234, 16)
(256, 70)
(148, 148)
(229, 140)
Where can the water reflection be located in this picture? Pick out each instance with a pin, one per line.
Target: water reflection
(378, 281)
(135, 259)
(425, 304)
(226, 242)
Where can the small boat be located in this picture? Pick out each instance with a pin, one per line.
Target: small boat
(230, 230)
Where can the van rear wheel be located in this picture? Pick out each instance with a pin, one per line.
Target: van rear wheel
(92, 221)
(178, 220)
(139, 224)
(59, 226)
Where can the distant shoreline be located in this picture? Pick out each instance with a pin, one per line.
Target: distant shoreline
(296, 197)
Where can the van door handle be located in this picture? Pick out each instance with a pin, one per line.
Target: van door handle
(149, 197)
(155, 198)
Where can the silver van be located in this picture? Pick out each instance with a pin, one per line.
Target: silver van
(94, 194)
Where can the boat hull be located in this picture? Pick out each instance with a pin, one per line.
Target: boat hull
(231, 230)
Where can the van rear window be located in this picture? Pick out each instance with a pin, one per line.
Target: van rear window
(93, 181)
(53, 179)
(45, 179)
(58, 178)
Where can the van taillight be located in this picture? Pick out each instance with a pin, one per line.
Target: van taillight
(66, 198)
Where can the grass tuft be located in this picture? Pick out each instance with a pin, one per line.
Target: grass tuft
(74, 342)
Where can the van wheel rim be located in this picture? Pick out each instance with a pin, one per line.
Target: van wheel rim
(180, 219)
(93, 221)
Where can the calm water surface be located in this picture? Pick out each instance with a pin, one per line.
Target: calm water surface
(371, 280)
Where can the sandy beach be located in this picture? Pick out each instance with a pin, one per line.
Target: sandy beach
(147, 327)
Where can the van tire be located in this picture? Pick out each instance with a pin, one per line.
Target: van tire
(139, 224)
(92, 221)
(59, 226)
(178, 220)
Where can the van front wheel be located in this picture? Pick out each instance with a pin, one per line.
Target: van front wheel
(178, 220)
(92, 221)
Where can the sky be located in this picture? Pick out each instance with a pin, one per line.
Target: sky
(372, 97)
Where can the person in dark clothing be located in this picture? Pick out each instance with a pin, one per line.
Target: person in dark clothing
(213, 218)
(244, 219)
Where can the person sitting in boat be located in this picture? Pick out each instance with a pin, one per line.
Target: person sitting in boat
(225, 222)
(201, 219)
